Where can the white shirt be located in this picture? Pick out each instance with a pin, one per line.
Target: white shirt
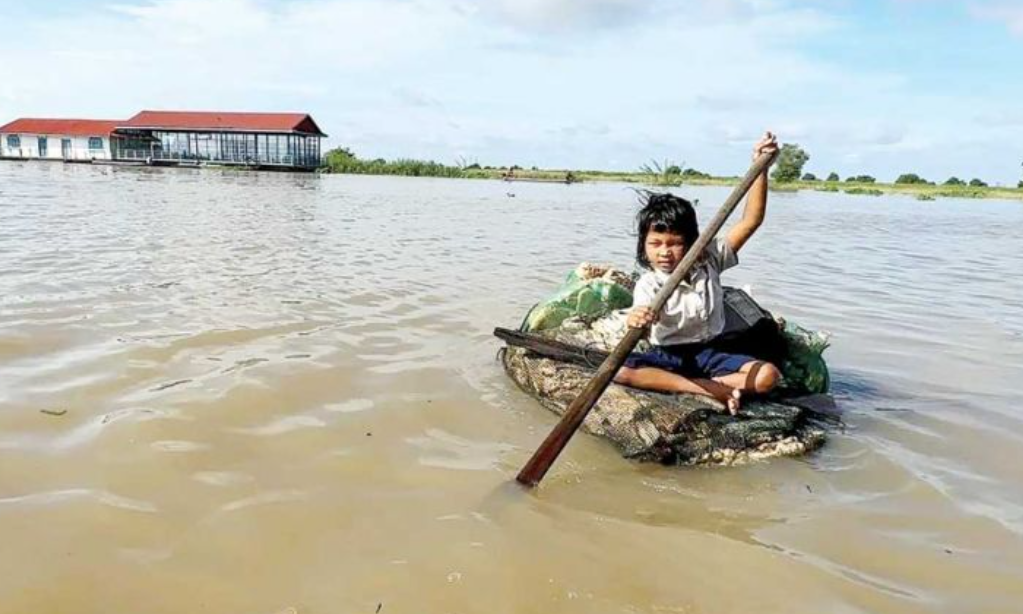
(695, 311)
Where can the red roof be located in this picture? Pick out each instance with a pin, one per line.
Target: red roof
(227, 122)
(70, 127)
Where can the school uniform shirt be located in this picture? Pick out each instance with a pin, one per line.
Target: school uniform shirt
(695, 311)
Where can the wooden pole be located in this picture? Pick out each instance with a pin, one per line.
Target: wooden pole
(551, 348)
(573, 417)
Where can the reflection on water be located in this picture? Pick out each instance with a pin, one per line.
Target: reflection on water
(247, 392)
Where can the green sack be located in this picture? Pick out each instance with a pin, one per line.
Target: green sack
(804, 370)
(587, 297)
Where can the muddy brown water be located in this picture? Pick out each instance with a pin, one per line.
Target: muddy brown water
(263, 393)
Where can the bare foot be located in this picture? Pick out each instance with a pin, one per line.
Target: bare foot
(733, 401)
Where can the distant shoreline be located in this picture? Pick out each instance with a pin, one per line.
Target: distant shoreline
(922, 192)
(415, 168)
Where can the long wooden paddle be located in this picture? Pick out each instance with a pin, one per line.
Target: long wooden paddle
(573, 417)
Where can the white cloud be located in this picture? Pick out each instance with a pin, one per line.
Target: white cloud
(416, 98)
(1011, 14)
(549, 15)
(1001, 118)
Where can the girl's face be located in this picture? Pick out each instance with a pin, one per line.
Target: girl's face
(664, 250)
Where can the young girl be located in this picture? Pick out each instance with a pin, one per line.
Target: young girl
(683, 358)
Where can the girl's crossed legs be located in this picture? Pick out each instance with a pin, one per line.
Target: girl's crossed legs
(725, 383)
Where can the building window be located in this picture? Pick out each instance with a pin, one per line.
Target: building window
(95, 142)
(13, 140)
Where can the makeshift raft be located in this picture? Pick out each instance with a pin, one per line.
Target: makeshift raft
(554, 361)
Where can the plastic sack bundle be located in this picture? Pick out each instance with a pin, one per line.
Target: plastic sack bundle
(804, 369)
(589, 292)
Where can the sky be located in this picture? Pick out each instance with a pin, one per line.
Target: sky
(879, 87)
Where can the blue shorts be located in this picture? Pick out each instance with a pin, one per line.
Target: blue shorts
(695, 360)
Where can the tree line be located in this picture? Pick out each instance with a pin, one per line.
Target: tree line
(792, 158)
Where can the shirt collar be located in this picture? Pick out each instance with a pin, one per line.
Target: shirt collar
(662, 278)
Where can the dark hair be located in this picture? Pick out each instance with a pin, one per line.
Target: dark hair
(662, 212)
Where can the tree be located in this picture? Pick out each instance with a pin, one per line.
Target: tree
(955, 181)
(977, 183)
(834, 177)
(911, 178)
(790, 163)
(673, 169)
(860, 179)
(341, 152)
(809, 177)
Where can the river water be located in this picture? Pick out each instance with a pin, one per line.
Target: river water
(264, 393)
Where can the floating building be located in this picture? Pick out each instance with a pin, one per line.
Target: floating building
(175, 138)
(57, 139)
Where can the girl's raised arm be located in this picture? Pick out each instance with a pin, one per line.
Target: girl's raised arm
(756, 202)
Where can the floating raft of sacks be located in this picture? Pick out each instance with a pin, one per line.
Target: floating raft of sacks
(561, 342)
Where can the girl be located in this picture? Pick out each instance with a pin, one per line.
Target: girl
(683, 358)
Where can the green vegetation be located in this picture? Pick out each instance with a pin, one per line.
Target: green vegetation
(790, 163)
(692, 173)
(911, 179)
(864, 191)
(666, 174)
(671, 175)
(342, 160)
(663, 175)
(968, 192)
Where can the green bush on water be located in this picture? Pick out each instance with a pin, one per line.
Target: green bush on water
(665, 175)
(342, 160)
(864, 191)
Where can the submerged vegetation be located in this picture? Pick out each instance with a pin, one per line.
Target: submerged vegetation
(788, 176)
(864, 191)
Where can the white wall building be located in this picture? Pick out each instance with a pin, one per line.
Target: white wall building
(57, 139)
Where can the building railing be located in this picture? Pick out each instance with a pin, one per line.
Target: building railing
(181, 157)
